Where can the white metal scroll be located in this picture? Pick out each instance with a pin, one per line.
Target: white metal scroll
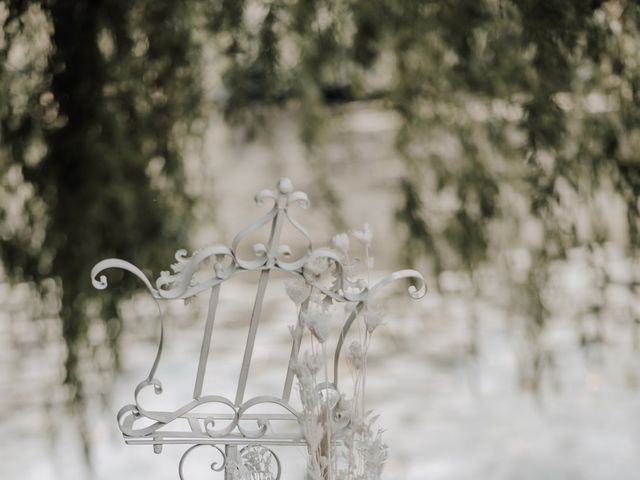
(140, 425)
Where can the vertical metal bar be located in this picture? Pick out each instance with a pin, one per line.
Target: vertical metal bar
(230, 458)
(272, 252)
(206, 341)
(251, 337)
(295, 349)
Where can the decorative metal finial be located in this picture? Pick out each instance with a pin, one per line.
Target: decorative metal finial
(285, 186)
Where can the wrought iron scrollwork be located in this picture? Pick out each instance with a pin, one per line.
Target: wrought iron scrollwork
(324, 271)
(215, 466)
(253, 462)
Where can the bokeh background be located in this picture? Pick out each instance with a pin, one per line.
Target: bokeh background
(491, 144)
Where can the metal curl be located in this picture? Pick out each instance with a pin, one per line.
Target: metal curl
(264, 194)
(214, 465)
(163, 418)
(157, 389)
(210, 423)
(128, 415)
(263, 426)
(181, 255)
(300, 198)
(338, 419)
(414, 292)
(101, 283)
(245, 232)
(178, 285)
(296, 264)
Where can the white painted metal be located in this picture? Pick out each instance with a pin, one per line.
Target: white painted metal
(143, 426)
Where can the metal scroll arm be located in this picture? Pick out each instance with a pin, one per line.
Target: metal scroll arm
(100, 282)
(414, 292)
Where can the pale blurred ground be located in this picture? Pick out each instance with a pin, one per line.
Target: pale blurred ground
(448, 414)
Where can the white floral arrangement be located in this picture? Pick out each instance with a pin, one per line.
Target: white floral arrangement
(342, 439)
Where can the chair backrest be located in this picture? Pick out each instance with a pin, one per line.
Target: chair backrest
(227, 263)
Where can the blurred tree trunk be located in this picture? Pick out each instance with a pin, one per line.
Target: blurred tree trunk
(77, 173)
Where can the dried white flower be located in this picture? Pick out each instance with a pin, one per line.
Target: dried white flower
(356, 355)
(305, 382)
(312, 362)
(373, 316)
(313, 471)
(375, 454)
(365, 235)
(358, 425)
(341, 242)
(349, 269)
(317, 318)
(317, 265)
(297, 289)
(313, 432)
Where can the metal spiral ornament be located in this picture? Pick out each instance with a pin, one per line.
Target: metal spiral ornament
(215, 466)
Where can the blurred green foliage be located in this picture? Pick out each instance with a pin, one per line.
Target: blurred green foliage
(518, 128)
(97, 100)
(538, 101)
(538, 96)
